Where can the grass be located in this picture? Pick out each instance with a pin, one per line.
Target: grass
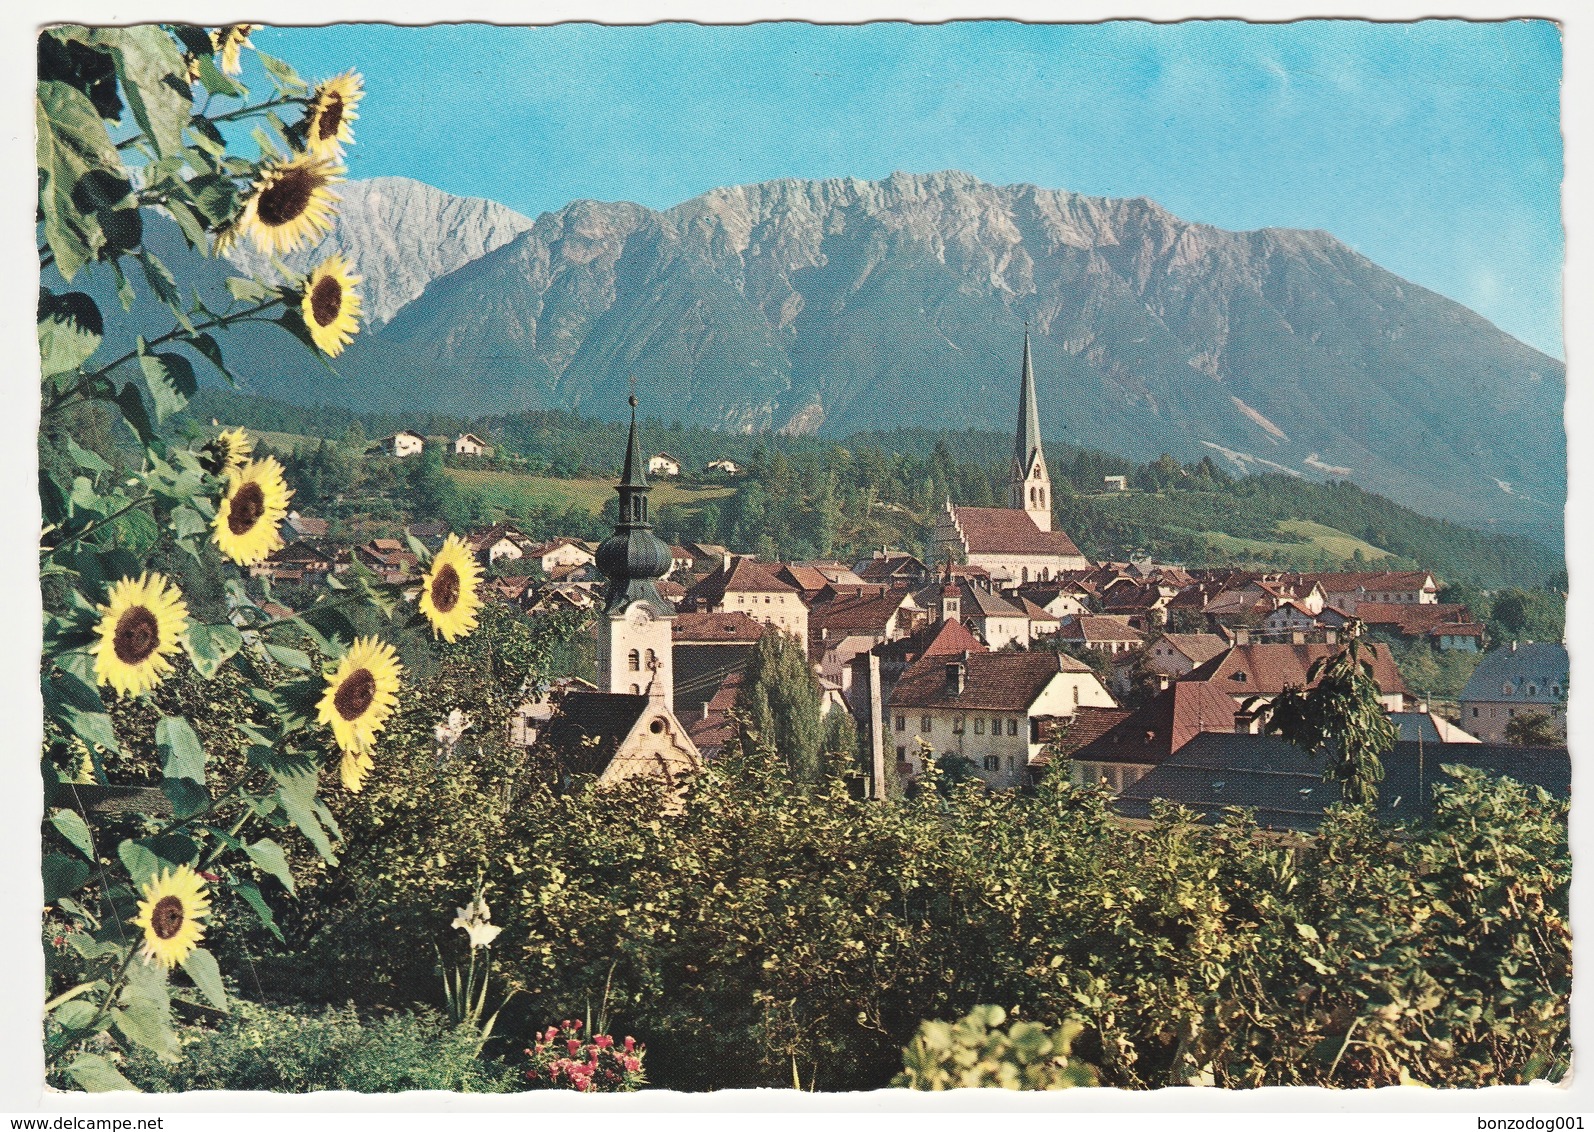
(1317, 539)
(515, 491)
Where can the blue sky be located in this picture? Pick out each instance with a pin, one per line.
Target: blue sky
(1433, 148)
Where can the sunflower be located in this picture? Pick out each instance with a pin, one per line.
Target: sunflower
(227, 451)
(331, 306)
(173, 904)
(141, 626)
(331, 109)
(247, 517)
(191, 65)
(289, 206)
(361, 693)
(228, 42)
(449, 597)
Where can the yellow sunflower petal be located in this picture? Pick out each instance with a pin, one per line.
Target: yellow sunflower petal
(331, 305)
(170, 913)
(450, 590)
(228, 42)
(229, 448)
(361, 694)
(247, 519)
(332, 108)
(290, 205)
(141, 625)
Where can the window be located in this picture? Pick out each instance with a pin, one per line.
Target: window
(1012, 727)
(992, 763)
(634, 661)
(902, 754)
(636, 690)
(957, 725)
(1009, 762)
(1076, 691)
(653, 660)
(924, 724)
(1474, 713)
(902, 721)
(979, 726)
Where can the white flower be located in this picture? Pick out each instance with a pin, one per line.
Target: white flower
(473, 919)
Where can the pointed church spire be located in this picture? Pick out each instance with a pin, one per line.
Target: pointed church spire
(634, 556)
(1028, 440)
(635, 474)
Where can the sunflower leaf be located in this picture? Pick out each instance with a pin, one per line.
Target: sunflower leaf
(78, 166)
(182, 755)
(171, 382)
(94, 1074)
(131, 402)
(148, 63)
(93, 727)
(286, 78)
(70, 825)
(418, 548)
(268, 855)
(296, 793)
(144, 1013)
(290, 657)
(202, 968)
(85, 458)
(211, 646)
(251, 892)
(63, 876)
(186, 796)
(70, 330)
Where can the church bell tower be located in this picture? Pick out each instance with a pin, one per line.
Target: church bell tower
(1030, 485)
(634, 629)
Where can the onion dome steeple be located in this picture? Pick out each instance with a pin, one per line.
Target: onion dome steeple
(634, 558)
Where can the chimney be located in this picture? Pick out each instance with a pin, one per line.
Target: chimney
(957, 675)
(1513, 646)
(705, 710)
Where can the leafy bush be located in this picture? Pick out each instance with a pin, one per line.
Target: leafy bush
(285, 1049)
(973, 1053)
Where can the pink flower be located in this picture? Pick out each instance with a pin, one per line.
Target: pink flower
(551, 1034)
(573, 1046)
(577, 1024)
(630, 1043)
(631, 1064)
(603, 1041)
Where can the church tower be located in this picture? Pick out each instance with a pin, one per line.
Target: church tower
(634, 628)
(1030, 486)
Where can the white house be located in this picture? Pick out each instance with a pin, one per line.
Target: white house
(990, 708)
(663, 464)
(469, 444)
(401, 444)
(729, 467)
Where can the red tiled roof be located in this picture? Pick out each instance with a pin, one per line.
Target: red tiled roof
(744, 576)
(868, 613)
(805, 578)
(943, 638)
(1168, 721)
(1197, 647)
(1412, 619)
(1006, 530)
(1249, 670)
(713, 628)
(994, 681)
(1390, 581)
(1100, 627)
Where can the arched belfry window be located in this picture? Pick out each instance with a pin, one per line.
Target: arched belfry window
(653, 660)
(634, 661)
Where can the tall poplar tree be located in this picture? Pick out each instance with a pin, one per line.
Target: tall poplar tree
(779, 705)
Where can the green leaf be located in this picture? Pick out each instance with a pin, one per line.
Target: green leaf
(187, 797)
(131, 402)
(141, 864)
(75, 1015)
(93, 727)
(70, 825)
(253, 897)
(84, 458)
(63, 876)
(201, 967)
(78, 168)
(296, 793)
(206, 346)
(171, 381)
(292, 658)
(268, 855)
(248, 290)
(187, 523)
(90, 948)
(70, 330)
(154, 81)
(210, 646)
(287, 78)
(182, 756)
(94, 1074)
(144, 1013)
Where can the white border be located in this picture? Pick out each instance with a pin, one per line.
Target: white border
(21, 1068)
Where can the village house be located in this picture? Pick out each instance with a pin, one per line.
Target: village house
(1347, 591)
(706, 556)
(401, 444)
(710, 648)
(387, 558)
(559, 554)
(1118, 747)
(996, 621)
(300, 563)
(993, 709)
(1512, 682)
(1173, 656)
(663, 464)
(744, 585)
(1104, 633)
(1288, 620)
(1015, 543)
(728, 467)
(891, 568)
(846, 626)
(1443, 624)
(1247, 671)
(937, 638)
(500, 542)
(1060, 599)
(305, 527)
(469, 444)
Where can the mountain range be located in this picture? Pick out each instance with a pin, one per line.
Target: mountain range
(845, 305)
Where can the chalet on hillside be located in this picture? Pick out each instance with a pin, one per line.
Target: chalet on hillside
(469, 444)
(663, 464)
(400, 444)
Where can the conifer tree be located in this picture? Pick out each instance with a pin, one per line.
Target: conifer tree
(779, 705)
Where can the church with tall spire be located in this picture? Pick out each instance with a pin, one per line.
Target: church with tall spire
(1016, 543)
(628, 726)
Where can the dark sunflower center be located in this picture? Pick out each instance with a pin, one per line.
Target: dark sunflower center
(355, 694)
(331, 116)
(445, 589)
(137, 635)
(326, 300)
(248, 504)
(166, 919)
(286, 198)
